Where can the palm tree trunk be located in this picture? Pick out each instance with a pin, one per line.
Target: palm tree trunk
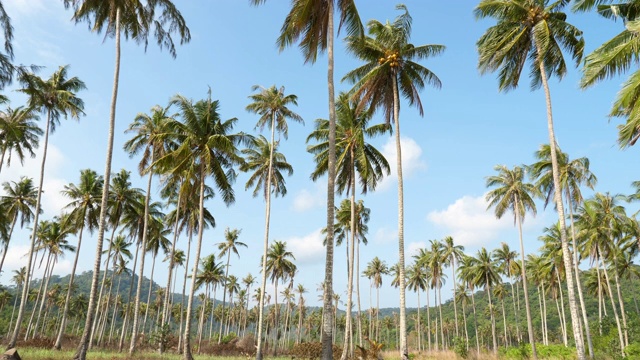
(585, 318)
(466, 331)
(419, 328)
(348, 330)
(265, 249)
(563, 329)
(563, 319)
(145, 227)
(15, 304)
(327, 335)
(104, 278)
(566, 253)
(428, 319)
(541, 314)
(613, 306)
(44, 293)
(357, 245)
(123, 332)
(442, 340)
(226, 274)
(504, 322)
(146, 312)
(38, 297)
(455, 306)
(404, 352)
(81, 352)
(6, 243)
(544, 316)
(532, 338)
(25, 285)
(184, 287)
(166, 308)
(63, 322)
(616, 277)
(186, 354)
(493, 320)
(515, 313)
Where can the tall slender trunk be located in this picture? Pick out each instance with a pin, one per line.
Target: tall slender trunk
(145, 227)
(442, 340)
(563, 319)
(532, 338)
(123, 332)
(464, 319)
(226, 273)
(186, 344)
(616, 277)
(184, 287)
(614, 307)
(81, 352)
(544, 315)
(327, 321)
(504, 322)
(104, 279)
(404, 351)
(166, 307)
(38, 297)
(265, 249)
(6, 243)
(585, 318)
(515, 313)
(44, 292)
(348, 330)
(15, 304)
(493, 320)
(563, 329)
(146, 312)
(357, 245)
(419, 328)
(63, 322)
(455, 306)
(25, 285)
(566, 253)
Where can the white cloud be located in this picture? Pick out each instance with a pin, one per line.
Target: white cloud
(52, 200)
(385, 235)
(411, 160)
(307, 249)
(469, 222)
(306, 200)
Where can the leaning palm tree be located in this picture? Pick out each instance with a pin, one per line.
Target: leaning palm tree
(19, 134)
(310, 23)
(273, 107)
(536, 30)
(206, 148)
(57, 98)
(355, 158)
(512, 193)
(390, 71)
(149, 138)
(85, 207)
(138, 20)
(18, 202)
(228, 246)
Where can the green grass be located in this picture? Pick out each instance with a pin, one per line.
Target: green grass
(46, 354)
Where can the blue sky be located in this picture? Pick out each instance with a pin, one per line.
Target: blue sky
(468, 128)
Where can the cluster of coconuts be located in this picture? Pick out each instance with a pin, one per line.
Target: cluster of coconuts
(391, 58)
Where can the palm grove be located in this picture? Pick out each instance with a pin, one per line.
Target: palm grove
(501, 297)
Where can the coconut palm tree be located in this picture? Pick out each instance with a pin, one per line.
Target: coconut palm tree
(485, 273)
(417, 281)
(6, 68)
(273, 107)
(511, 193)
(138, 20)
(375, 269)
(573, 174)
(122, 199)
(57, 98)
(279, 268)
(354, 158)
(17, 203)
(206, 148)
(508, 266)
(157, 241)
(149, 138)
(614, 58)
(389, 71)
(536, 30)
(451, 254)
(310, 23)
(19, 134)
(226, 247)
(85, 207)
